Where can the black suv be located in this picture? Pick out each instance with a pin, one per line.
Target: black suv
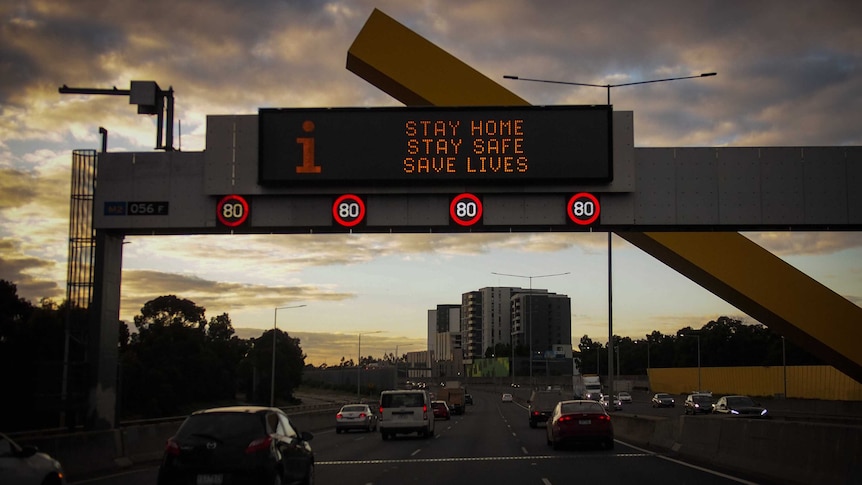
(542, 405)
(244, 444)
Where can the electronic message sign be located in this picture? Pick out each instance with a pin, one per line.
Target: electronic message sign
(524, 144)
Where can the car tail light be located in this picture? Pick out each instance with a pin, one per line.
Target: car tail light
(425, 412)
(362, 415)
(338, 416)
(604, 417)
(259, 445)
(172, 448)
(535, 413)
(565, 419)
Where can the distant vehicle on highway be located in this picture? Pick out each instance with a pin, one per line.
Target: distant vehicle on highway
(26, 465)
(240, 444)
(468, 399)
(580, 421)
(663, 400)
(605, 401)
(405, 412)
(541, 405)
(739, 406)
(355, 416)
(625, 397)
(698, 403)
(441, 410)
(506, 397)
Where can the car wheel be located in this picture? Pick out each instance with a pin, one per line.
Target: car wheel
(609, 444)
(532, 424)
(277, 479)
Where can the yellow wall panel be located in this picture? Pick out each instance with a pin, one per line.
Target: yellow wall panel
(803, 382)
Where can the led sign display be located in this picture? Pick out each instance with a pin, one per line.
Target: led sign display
(435, 145)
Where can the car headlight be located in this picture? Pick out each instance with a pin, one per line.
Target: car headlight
(734, 411)
(763, 413)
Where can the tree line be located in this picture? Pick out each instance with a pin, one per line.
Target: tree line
(175, 361)
(724, 342)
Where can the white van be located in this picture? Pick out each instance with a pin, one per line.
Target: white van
(405, 412)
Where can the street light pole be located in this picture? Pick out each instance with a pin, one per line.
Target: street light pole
(610, 286)
(272, 374)
(697, 336)
(699, 387)
(529, 313)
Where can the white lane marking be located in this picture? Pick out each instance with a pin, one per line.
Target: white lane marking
(524, 449)
(416, 452)
(673, 460)
(590, 458)
(546, 481)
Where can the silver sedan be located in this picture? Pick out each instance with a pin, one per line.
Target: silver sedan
(355, 416)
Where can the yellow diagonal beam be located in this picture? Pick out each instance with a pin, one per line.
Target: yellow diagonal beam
(765, 287)
(416, 72)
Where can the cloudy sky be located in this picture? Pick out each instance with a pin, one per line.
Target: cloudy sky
(789, 74)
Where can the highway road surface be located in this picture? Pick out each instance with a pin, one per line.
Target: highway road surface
(491, 443)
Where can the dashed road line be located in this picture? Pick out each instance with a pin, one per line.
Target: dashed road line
(590, 457)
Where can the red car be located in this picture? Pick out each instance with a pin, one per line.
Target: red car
(580, 421)
(441, 409)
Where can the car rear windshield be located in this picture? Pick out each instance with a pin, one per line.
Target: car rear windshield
(239, 428)
(353, 409)
(581, 407)
(407, 400)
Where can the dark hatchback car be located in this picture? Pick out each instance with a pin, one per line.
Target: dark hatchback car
(698, 403)
(238, 445)
(663, 400)
(740, 406)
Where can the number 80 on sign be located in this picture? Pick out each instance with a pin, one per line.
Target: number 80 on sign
(583, 208)
(465, 209)
(348, 210)
(232, 210)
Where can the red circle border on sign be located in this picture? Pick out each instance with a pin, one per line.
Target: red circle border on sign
(221, 204)
(585, 222)
(341, 199)
(474, 219)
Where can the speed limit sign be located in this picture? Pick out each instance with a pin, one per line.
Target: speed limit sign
(232, 210)
(583, 209)
(348, 210)
(465, 209)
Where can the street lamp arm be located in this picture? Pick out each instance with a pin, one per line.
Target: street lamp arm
(531, 276)
(706, 74)
(608, 86)
(558, 82)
